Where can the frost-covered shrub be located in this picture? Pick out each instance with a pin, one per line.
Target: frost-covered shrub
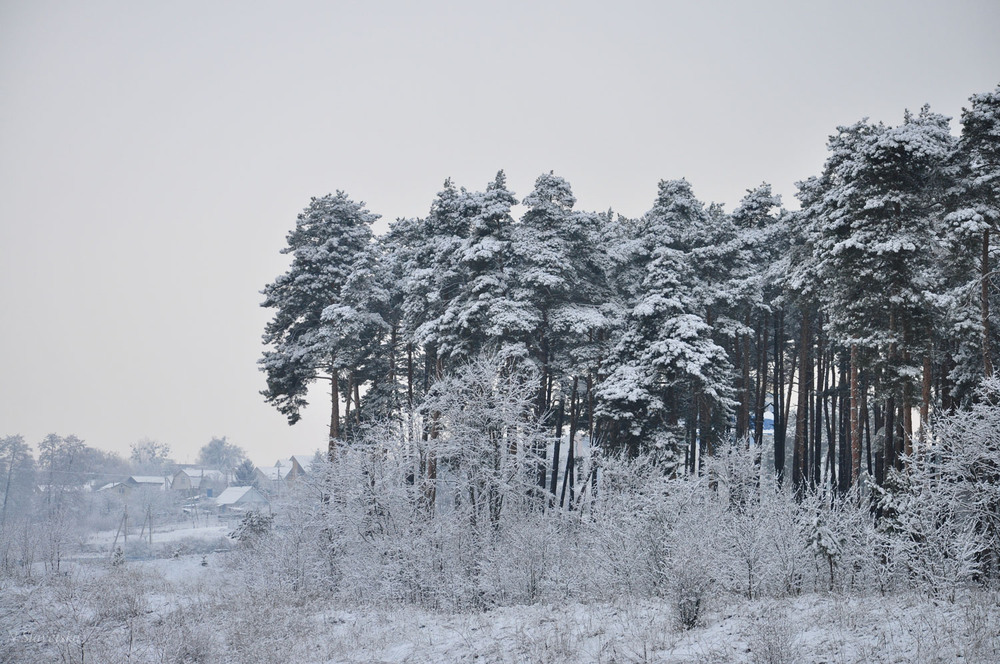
(967, 455)
(692, 553)
(487, 442)
(19, 544)
(845, 542)
(772, 639)
(252, 527)
(628, 528)
(940, 518)
(929, 536)
(760, 531)
(189, 634)
(474, 536)
(689, 573)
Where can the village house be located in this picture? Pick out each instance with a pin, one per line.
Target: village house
(199, 481)
(240, 499)
(153, 482)
(284, 473)
(147, 482)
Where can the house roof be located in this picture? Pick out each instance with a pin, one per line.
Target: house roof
(199, 473)
(239, 494)
(305, 461)
(148, 479)
(276, 472)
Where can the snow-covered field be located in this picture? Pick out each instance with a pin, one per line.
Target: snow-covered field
(188, 609)
(805, 629)
(171, 533)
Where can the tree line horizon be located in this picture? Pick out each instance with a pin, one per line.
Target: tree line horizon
(668, 333)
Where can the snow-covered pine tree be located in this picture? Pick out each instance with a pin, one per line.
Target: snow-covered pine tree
(974, 216)
(545, 271)
(665, 364)
(399, 389)
(486, 311)
(746, 295)
(364, 322)
(318, 318)
(871, 222)
(560, 273)
(431, 250)
(428, 253)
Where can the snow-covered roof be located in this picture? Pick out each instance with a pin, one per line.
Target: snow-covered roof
(239, 494)
(148, 479)
(272, 473)
(278, 471)
(208, 473)
(305, 461)
(110, 485)
(195, 476)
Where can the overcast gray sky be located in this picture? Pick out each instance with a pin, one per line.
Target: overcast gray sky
(153, 155)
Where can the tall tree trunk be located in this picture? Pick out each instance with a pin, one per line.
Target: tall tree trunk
(761, 405)
(590, 407)
(890, 451)
(544, 394)
(707, 439)
(569, 478)
(574, 419)
(830, 415)
(925, 394)
(541, 404)
(357, 400)
(888, 440)
(818, 400)
(778, 397)
(692, 428)
(548, 391)
(393, 361)
(428, 460)
(984, 300)
(846, 461)
(907, 408)
(409, 393)
(743, 395)
(800, 452)
(900, 435)
(948, 402)
(347, 403)
(334, 413)
(792, 387)
(554, 484)
(855, 419)
(409, 376)
(866, 425)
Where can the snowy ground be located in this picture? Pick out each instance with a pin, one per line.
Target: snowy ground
(204, 536)
(189, 594)
(807, 629)
(206, 528)
(195, 606)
